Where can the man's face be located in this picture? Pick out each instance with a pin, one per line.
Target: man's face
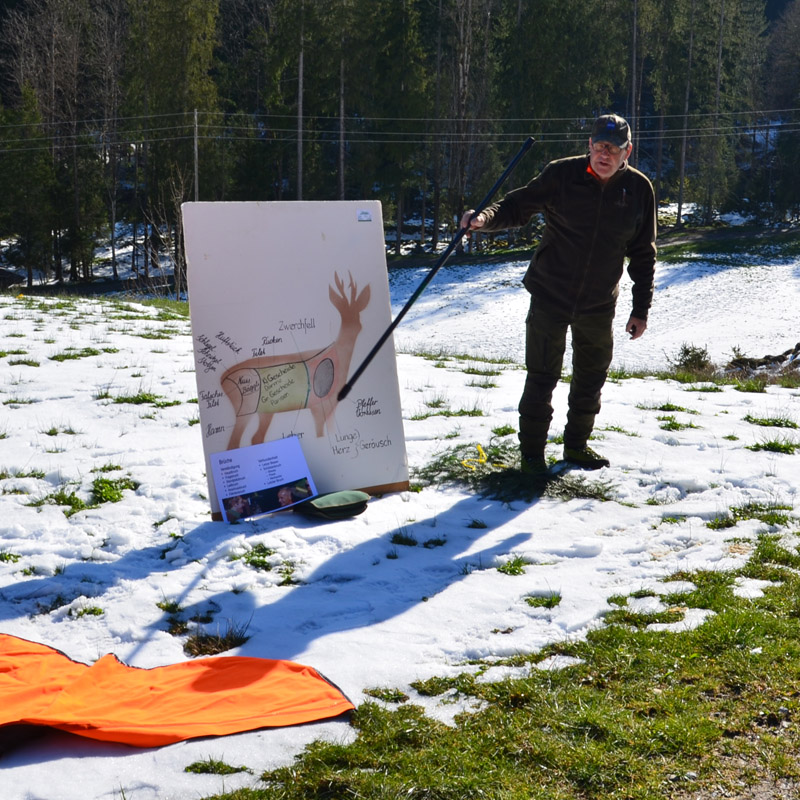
(284, 496)
(606, 158)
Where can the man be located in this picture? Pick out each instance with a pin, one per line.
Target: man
(598, 211)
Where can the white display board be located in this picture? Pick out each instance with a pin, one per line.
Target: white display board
(286, 300)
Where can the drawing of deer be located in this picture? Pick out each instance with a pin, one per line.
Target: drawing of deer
(268, 385)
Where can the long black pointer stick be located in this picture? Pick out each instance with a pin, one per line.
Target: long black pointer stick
(345, 390)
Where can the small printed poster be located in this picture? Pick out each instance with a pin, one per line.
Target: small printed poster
(261, 478)
(286, 300)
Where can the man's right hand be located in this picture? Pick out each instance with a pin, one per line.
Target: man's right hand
(473, 224)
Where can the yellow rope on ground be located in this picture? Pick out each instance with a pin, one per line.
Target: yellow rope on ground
(470, 463)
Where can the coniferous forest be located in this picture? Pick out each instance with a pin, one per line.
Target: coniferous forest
(117, 111)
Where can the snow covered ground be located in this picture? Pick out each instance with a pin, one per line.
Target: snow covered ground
(365, 612)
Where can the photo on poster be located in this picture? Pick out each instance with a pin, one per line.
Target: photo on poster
(262, 478)
(286, 300)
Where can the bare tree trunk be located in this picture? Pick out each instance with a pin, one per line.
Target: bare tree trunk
(712, 170)
(463, 29)
(633, 110)
(341, 123)
(437, 147)
(300, 111)
(398, 236)
(659, 156)
(682, 169)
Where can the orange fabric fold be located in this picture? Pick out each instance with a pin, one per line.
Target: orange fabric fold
(111, 701)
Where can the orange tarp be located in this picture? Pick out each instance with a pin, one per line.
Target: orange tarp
(111, 701)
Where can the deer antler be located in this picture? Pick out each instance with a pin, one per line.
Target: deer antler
(352, 288)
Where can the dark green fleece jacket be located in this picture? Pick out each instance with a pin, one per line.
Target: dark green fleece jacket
(591, 227)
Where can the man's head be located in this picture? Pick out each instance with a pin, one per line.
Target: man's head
(609, 145)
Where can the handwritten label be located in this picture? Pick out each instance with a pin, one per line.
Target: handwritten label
(265, 348)
(303, 325)
(367, 407)
(226, 340)
(211, 399)
(206, 354)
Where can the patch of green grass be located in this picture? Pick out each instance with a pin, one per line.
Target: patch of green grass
(212, 766)
(54, 430)
(104, 490)
(504, 430)
(168, 309)
(789, 379)
(468, 464)
(550, 600)
(109, 467)
(61, 497)
(785, 446)
(625, 616)
(88, 611)
(706, 389)
(617, 374)
(514, 566)
(21, 473)
(437, 541)
(169, 606)
(157, 334)
(769, 558)
(287, 570)
(665, 407)
(404, 538)
(259, 556)
(670, 423)
(108, 490)
(387, 695)
(768, 513)
(23, 362)
(71, 354)
(461, 412)
(9, 558)
(771, 422)
(443, 354)
(485, 373)
(140, 398)
(211, 644)
(618, 429)
(436, 402)
(674, 519)
(578, 487)
(757, 384)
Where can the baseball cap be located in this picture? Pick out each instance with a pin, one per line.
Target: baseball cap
(611, 128)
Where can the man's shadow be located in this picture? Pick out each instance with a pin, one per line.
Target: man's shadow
(366, 584)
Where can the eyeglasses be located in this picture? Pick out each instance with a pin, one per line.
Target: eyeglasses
(609, 148)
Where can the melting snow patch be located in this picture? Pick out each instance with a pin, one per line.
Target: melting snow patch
(501, 673)
(750, 587)
(693, 618)
(558, 662)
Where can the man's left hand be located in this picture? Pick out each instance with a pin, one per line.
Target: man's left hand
(636, 327)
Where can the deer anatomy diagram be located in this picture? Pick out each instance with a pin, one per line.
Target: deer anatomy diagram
(268, 385)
